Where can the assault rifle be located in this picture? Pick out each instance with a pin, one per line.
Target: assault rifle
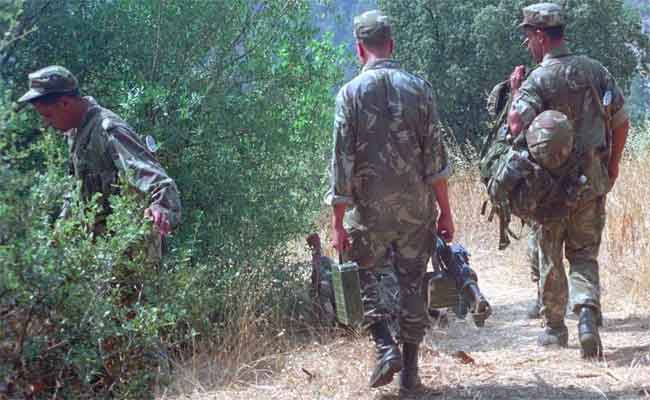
(454, 284)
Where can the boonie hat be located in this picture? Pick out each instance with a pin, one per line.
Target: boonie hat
(372, 25)
(543, 15)
(48, 80)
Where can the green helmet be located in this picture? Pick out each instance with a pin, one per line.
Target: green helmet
(550, 139)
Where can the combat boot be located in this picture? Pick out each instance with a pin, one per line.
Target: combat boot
(409, 379)
(555, 334)
(573, 316)
(389, 358)
(590, 344)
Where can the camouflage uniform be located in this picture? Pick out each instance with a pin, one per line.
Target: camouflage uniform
(104, 146)
(532, 254)
(388, 152)
(563, 82)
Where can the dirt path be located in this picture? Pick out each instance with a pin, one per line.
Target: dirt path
(503, 360)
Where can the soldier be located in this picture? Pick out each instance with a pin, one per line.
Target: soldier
(389, 165)
(101, 146)
(587, 94)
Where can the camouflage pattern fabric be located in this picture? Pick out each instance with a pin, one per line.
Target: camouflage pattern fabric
(578, 237)
(532, 253)
(543, 15)
(372, 26)
(563, 82)
(411, 253)
(49, 80)
(388, 152)
(550, 139)
(105, 146)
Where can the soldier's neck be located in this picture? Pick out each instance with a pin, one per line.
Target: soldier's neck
(79, 111)
(373, 58)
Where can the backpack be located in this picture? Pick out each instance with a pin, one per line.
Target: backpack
(516, 184)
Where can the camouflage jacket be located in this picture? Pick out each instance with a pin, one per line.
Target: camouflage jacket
(388, 150)
(562, 82)
(102, 147)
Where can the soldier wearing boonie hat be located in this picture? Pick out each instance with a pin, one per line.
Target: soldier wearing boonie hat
(372, 27)
(101, 146)
(50, 80)
(543, 15)
(385, 189)
(587, 94)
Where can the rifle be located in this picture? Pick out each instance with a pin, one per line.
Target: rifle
(455, 270)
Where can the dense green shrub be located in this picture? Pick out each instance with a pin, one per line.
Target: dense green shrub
(239, 97)
(466, 47)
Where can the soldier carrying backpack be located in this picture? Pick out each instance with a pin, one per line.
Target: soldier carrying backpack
(591, 102)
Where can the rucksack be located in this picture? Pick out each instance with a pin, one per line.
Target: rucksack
(516, 183)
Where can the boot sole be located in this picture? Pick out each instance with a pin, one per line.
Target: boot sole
(590, 346)
(384, 373)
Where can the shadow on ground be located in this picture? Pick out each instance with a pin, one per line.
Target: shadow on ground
(518, 392)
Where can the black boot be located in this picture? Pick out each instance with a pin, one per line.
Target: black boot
(409, 380)
(588, 333)
(389, 358)
(555, 334)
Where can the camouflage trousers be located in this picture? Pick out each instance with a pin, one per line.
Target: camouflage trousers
(532, 255)
(579, 235)
(411, 253)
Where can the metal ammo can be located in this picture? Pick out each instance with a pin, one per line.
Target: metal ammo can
(347, 293)
(441, 291)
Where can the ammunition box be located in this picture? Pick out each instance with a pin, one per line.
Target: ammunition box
(441, 291)
(347, 293)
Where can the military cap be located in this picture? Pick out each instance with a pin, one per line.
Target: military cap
(372, 25)
(543, 15)
(48, 80)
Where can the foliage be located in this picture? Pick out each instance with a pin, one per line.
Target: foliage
(239, 96)
(206, 80)
(466, 47)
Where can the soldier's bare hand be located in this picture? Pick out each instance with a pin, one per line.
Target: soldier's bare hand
(159, 219)
(517, 78)
(340, 239)
(446, 228)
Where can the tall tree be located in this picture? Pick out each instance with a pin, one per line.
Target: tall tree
(465, 47)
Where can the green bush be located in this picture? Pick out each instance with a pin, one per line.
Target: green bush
(239, 97)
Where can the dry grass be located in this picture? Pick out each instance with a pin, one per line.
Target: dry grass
(507, 364)
(625, 253)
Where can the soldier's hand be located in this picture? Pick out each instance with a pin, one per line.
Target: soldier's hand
(446, 228)
(517, 78)
(340, 239)
(159, 219)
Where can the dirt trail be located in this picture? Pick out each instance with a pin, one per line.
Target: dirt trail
(504, 363)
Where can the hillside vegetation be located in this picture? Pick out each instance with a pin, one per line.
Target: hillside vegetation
(239, 98)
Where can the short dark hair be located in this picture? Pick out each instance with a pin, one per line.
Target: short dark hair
(52, 98)
(376, 42)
